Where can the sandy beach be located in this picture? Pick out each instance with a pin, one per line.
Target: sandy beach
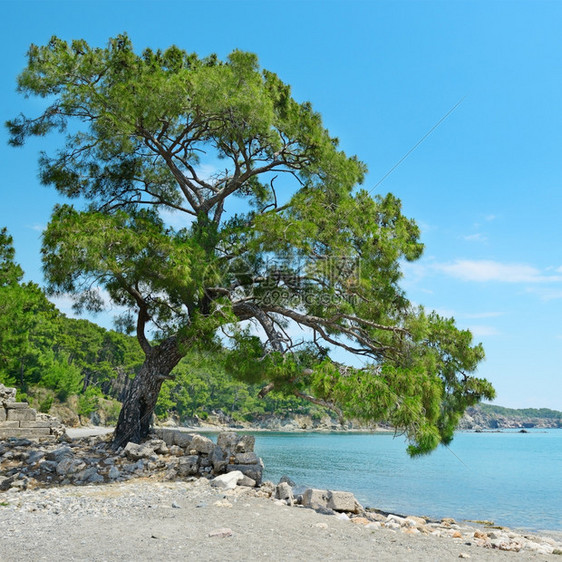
(149, 520)
(136, 506)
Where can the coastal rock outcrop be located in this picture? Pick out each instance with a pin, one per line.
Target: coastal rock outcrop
(25, 463)
(482, 418)
(232, 452)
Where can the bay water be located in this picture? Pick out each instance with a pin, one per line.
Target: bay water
(513, 479)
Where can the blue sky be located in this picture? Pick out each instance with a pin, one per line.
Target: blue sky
(485, 185)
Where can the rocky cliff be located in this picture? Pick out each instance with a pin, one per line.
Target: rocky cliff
(485, 417)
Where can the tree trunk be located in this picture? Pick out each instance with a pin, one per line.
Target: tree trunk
(22, 381)
(140, 400)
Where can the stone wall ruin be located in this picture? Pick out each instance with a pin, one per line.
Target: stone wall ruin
(17, 419)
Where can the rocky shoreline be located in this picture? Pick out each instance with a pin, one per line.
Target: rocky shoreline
(58, 493)
(48, 482)
(475, 419)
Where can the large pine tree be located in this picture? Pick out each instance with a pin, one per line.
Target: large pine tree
(273, 229)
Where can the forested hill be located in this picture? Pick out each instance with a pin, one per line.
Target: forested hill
(488, 416)
(79, 371)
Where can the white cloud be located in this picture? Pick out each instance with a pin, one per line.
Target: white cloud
(64, 303)
(427, 291)
(478, 237)
(206, 171)
(482, 330)
(105, 318)
(413, 271)
(546, 294)
(488, 270)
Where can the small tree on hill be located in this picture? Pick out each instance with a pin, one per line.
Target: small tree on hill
(272, 229)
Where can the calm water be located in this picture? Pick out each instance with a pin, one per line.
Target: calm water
(510, 478)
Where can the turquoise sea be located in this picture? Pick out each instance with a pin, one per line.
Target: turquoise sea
(511, 478)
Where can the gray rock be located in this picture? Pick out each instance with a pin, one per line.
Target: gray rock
(205, 462)
(113, 473)
(21, 442)
(247, 481)
(315, 499)
(183, 439)
(58, 454)
(219, 467)
(34, 456)
(268, 487)
(171, 474)
(342, 501)
(156, 445)
(20, 484)
(188, 465)
(217, 454)
(227, 481)
(245, 444)
(201, 444)
(227, 441)
(20, 413)
(218, 459)
(253, 471)
(176, 451)
(142, 451)
(16, 406)
(7, 394)
(286, 479)
(246, 458)
(69, 465)
(89, 476)
(221, 533)
(166, 434)
(284, 492)
(6, 483)
(131, 450)
(162, 449)
(328, 511)
(48, 466)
